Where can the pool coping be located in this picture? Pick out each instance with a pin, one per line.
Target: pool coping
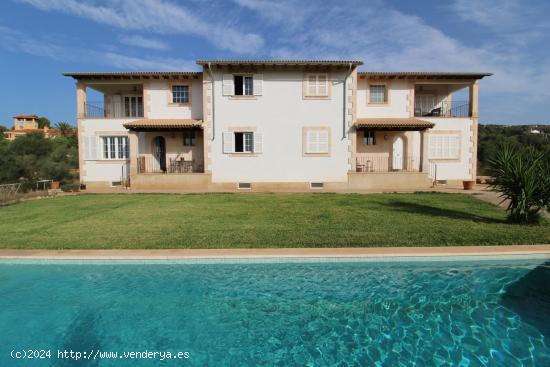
(251, 253)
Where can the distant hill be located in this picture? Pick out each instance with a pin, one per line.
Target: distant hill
(491, 136)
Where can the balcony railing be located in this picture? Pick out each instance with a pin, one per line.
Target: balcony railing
(116, 110)
(366, 163)
(151, 164)
(444, 109)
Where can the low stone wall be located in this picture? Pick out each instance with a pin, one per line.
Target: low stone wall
(388, 181)
(192, 182)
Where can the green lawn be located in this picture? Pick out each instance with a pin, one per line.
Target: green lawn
(260, 220)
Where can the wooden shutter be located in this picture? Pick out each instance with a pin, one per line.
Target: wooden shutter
(116, 106)
(322, 141)
(258, 84)
(90, 148)
(141, 142)
(322, 85)
(454, 146)
(311, 85)
(228, 142)
(258, 143)
(228, 89)
(311, 142)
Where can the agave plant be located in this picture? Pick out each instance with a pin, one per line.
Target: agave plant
(522, 176)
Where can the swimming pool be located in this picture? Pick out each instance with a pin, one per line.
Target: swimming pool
(310, 312)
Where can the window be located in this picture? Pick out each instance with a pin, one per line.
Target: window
(180, 94)
(244, 85)
(189, 137)
(244, 142)
(244, 186)
(133, 106)
(378, 93)
(444, 146)
(369, 137)
(317, 85)
(115, 147)
(317, 141)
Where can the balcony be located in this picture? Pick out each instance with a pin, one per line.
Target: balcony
(111, 101)
(127, 108)
(442, 109)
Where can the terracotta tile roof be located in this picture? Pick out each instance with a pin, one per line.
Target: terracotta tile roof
(162, 124)
(132, 74)
(49, 131)
(394, 123)
(424, 74)
(25, 117)
(282, 62)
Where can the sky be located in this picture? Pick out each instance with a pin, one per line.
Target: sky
(40, 39)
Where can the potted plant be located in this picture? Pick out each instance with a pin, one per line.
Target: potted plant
(55, 185)
(468, 184)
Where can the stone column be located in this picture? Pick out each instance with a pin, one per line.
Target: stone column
(474, 115)
(80, 100)
(425, 165)
(134, 149)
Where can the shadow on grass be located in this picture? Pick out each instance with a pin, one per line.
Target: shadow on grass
(529, 297)
(423, 209)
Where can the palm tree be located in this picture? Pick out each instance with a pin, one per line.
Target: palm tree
(65, 129)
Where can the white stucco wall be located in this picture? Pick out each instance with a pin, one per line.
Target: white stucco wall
(102, 170)
(280, 114)
(459, 169)
(398, 93)
(158, 94)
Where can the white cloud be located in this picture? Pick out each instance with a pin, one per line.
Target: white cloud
(387, 39)
(158, 16)
(140, 41)
(138, 63)
(13, 40)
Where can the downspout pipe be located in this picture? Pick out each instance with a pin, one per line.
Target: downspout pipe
(344, 127)
(213, 100)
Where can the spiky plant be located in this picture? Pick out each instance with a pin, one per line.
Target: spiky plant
(522, 176)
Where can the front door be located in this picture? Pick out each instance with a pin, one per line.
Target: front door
(159, 153)
(397, 153)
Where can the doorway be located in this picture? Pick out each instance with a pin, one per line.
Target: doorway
(397, 153)
(159, 154)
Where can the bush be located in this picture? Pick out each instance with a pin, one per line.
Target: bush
(67, 187)
(522, 176)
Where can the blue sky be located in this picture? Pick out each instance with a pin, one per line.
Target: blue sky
(39, 39)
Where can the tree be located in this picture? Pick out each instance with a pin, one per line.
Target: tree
(522, 176)
(2, 136)
(65, 129)
(43, 122)
(33, 157)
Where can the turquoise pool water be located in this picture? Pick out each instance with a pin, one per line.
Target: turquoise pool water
(299, 313)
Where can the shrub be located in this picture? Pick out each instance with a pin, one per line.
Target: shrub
(522, 176)
(67, 187)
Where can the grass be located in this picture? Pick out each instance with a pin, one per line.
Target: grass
(260, 220)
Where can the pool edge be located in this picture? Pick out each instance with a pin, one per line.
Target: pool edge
(245, 253)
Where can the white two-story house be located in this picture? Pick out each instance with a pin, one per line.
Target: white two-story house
(292, 125)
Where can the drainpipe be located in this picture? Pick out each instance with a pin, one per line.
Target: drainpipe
(213, 100)
(344, 127)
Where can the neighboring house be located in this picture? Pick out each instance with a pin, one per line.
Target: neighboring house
(277, 125)
(23, 124)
